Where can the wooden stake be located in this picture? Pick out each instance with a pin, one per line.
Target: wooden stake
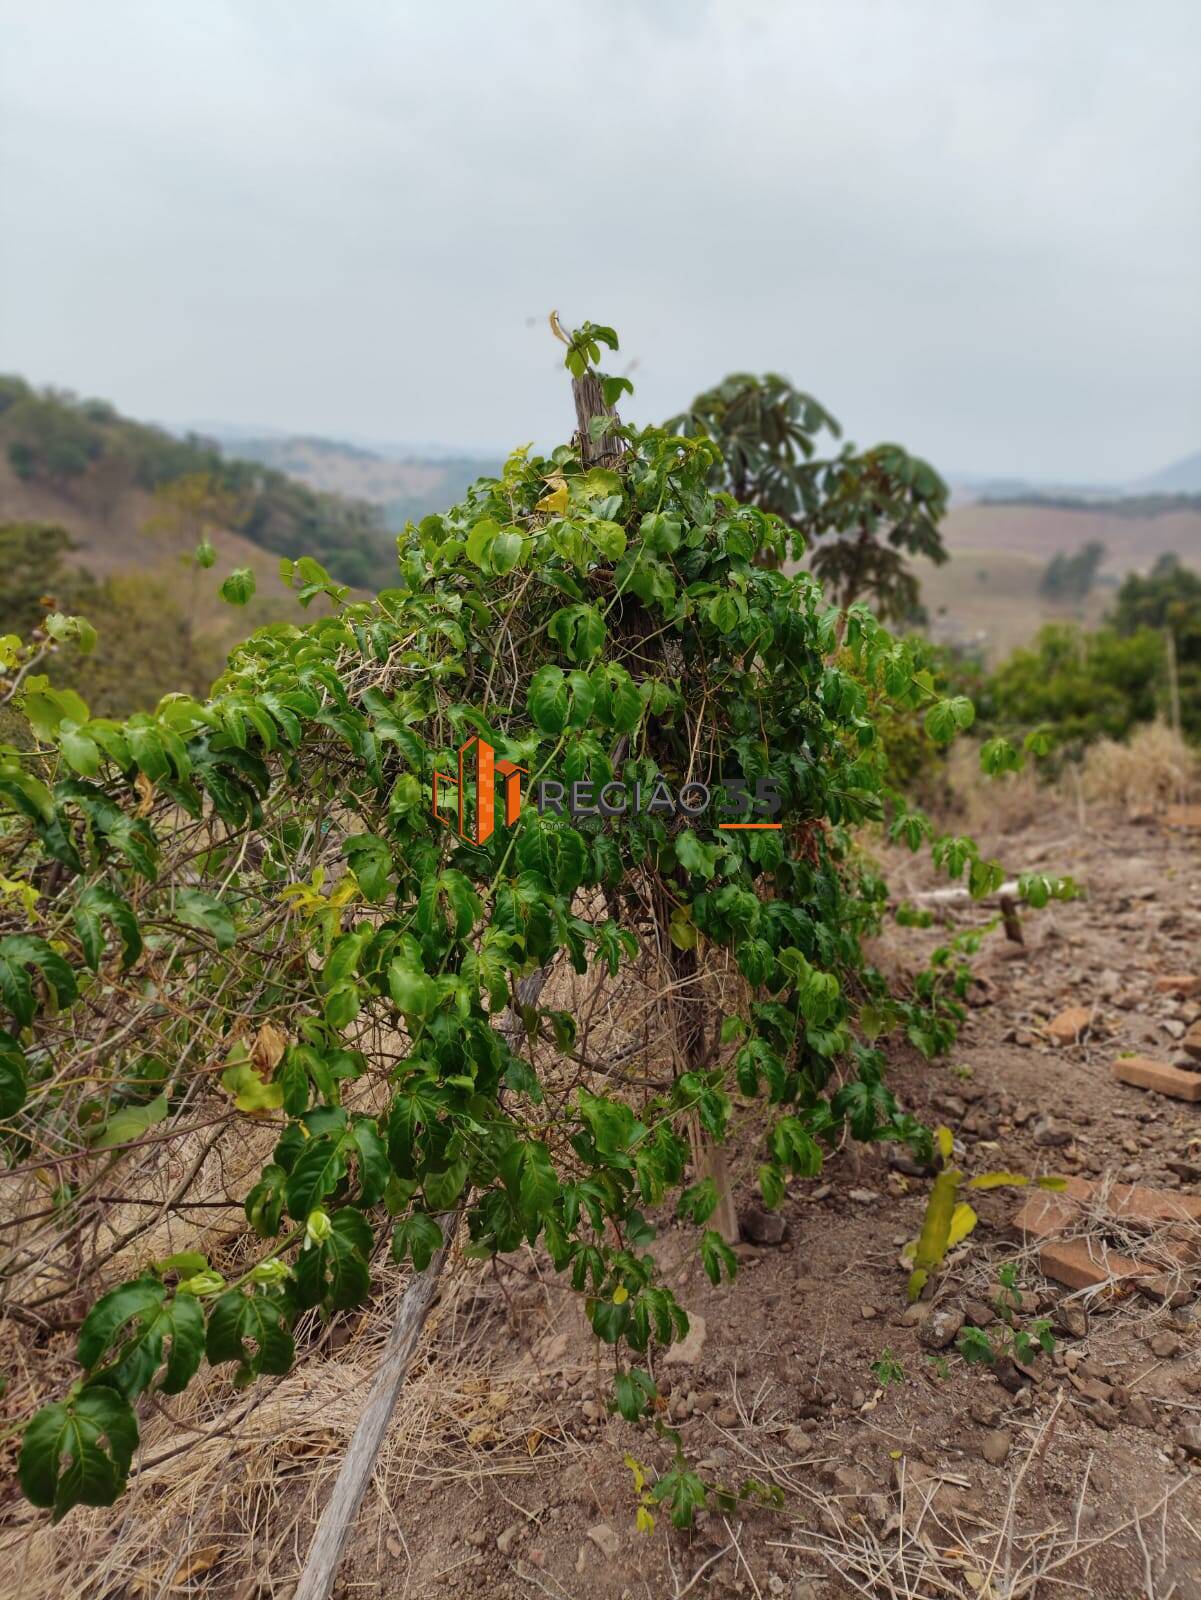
(342, 1507)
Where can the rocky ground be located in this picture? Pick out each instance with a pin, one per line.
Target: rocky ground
(904, 1468)
(876, 1459)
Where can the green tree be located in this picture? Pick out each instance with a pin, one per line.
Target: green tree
(1081, 685)
(1069, 580)
(1168, 599)
(31, 572)
(863, 513)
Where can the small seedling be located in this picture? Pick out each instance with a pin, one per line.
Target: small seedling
(963, 1071)
(887, 1369)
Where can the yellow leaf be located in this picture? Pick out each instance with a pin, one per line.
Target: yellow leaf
(644, 1521)
(484, 1434)
(145, 791)
(620, 1295)
(945, 1140)
(1051, 1183)
(533, 1440)
(198, 1561)
(251, 1094)
(963, 1220)
(556, 500)
(936, 1227)
(997, 1180)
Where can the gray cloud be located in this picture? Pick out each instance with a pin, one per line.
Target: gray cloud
(972, 226)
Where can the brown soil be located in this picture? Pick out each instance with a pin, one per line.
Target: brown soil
(887, 1489)
(504, 1474)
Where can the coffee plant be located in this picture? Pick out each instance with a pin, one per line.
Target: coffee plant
(258, 928)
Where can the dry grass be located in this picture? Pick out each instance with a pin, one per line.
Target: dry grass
(1147, 773)
(1154, 769)
(228, 1484)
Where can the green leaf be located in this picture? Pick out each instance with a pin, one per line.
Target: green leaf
(634, 1390)
(505, 550)
(82, 753)
(320, 1168)
(529, 1175)
(726, 611)
(546, 699)
(78, 1451)
(771, 1186)
(336, 1272)
(579, 631)
(238, 587)
(205, 912)
(716, 1254)
(94, 904)
(130, 1326)
(19, 952)
(618, 702)
(13, 1076)
(443, 1188)
(694, 856)
(417, 1237)
(412, 990)
(252, 1329)
(370, 860)
(479, 541)
(66, 630)
(129, 1124)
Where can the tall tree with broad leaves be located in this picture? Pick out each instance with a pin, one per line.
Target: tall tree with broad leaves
(862, 514)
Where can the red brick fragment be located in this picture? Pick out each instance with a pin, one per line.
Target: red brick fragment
(1068, 1026)
(1180, 985)
(1157, 1075)
(1076, 1263)
(1135, 1202)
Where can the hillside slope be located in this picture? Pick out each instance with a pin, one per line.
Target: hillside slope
(404, 488)
(987, 595)
(93, 462)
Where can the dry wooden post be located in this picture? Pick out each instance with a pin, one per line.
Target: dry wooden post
(1174, 699)
(342, 1507)
(1009, 916)
(709, 1158)
(589, 404)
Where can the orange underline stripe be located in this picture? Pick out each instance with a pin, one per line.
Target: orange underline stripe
(750, 824)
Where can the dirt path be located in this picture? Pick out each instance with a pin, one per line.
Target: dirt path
(906, 1470)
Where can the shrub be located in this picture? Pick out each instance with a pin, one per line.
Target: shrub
(246, 914)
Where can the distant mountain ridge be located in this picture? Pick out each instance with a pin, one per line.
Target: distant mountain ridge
(404, 487)
(1180, 477)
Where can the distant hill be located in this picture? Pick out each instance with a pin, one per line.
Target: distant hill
(105, 514)
(988, 593)
(1182, 477)
(93, 470)
(403, 487)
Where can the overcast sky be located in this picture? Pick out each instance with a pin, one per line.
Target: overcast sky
(970, 225)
